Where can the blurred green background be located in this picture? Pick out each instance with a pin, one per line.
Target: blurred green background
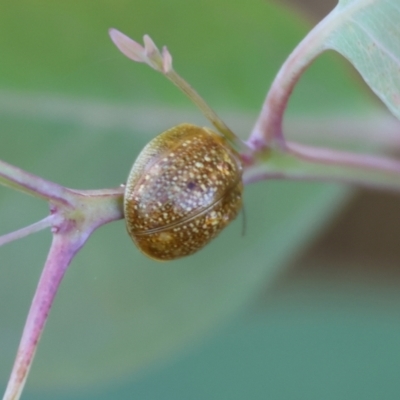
(304, 306)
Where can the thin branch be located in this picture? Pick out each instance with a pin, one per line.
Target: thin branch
(299, 162)
(61, 253)
(208, 112)
(343, 158)
(71, 228)
(27, 230)
(26, 182)
(268, 128)
(162, 62)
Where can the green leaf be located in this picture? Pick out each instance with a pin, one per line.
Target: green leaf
(367, 33)
(75, 111)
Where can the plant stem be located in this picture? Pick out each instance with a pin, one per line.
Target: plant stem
(27, 230)
(268, 128)
(72, 225)
(162, 62)
(208, 112)
(26, 182)
(299, 162)
(344, 159)
(61, 253)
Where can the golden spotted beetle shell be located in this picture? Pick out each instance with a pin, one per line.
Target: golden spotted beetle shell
(184, 188)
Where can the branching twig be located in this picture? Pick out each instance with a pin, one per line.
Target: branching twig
(76, 214)
(28, 230)
(162, 62)
(268, 128)
(26, 182)
(64, 247)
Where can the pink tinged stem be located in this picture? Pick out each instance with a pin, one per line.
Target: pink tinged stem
(300, 162)
(28, 230)
(19, 179)
(62, 251)
(268, 127)
(71, 228)
(162, 62)
(344, 159)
